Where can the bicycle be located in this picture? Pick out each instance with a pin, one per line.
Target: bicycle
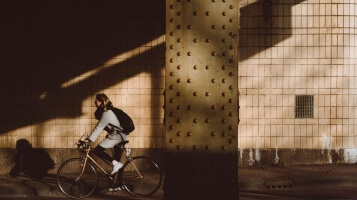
(78, 178)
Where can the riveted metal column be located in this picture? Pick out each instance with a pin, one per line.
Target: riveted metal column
(201, 99)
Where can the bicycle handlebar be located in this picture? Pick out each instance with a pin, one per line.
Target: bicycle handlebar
(83, 145)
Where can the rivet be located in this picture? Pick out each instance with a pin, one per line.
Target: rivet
(213, 134)
(178, 27)
(178, 66)
(224, 107)
(213, 107)
(223, 80)
(178, 147)
(231, 60)
(178, 80)
(223, 1)
(171, 87)
(171, 127)
(231, 34)
(195, 147)
(230, 100)
(172, 73)
(178, 133)
(224, 147)
(179, 53)
(224, 13)
(189, 134)
(189, 53)
(224, 54)
(207, 13)
(231, 6)
(224, 121)
(171, 140)
(213, 80)
(195, 120)
(223, 67)
(189, 107)
(189, 0)
(178, 40)
(179, 13)
(223, 94)
(224, 134)
(223, 40)
(171, 60)
(178, 120)
(213, 53)
(172, 33)
(230, 73)
(207, 147)
(224, 27)
(231, 47)
(207, 67)
(188, 80)
(231, 87)
(231, 20)
(172, 113)
(172, 100)
(178, 0)
(195, 40)
(195, 67)
(171, 19)
(195, 13)
(195, 94)
(213, 1)
(230, 114)
(178, 93)
(171, 46)
(208, 121)
(171, 6)
(207, 40)
(230, 127)
(178, 107)
(189, 26)
(207, 94)
(230, 141)
(213, 26)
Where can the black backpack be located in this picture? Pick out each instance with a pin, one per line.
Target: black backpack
(125, 121)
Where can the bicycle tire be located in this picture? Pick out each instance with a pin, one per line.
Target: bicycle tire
(143, 186)
(67, 174)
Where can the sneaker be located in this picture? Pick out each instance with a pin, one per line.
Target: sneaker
(116, 166)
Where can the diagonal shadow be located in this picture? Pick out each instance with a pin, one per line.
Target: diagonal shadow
(260, 22)
(46, 43)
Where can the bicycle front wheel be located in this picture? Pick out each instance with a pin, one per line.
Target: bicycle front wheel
(72, 182)
(141, 176)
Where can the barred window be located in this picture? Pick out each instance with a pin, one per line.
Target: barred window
(304, 106)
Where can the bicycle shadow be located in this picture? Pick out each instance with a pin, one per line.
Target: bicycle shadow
(32, 162)
(47, 187)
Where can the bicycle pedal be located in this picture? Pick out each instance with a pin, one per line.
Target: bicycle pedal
(120, 188)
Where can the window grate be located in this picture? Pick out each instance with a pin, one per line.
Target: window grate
(304, 106)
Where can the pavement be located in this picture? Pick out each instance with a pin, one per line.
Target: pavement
(255, 183)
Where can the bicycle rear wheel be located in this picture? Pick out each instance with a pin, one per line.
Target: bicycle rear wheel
(71, 183)
(141, 176)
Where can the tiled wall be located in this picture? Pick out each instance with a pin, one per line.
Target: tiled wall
(60, 54)
(289, 48)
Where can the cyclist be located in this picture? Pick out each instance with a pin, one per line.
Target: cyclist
(114, 136)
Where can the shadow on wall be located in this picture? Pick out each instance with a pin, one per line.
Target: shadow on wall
(30, 161)
(47, 43)
(264, 24)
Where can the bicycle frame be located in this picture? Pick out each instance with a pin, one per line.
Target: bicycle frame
(128, 157)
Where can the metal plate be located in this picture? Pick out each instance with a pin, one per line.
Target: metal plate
(201, 99)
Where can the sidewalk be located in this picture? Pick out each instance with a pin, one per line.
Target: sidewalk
(337, 181)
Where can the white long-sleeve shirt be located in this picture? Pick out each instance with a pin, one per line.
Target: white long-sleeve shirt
(108, 117)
